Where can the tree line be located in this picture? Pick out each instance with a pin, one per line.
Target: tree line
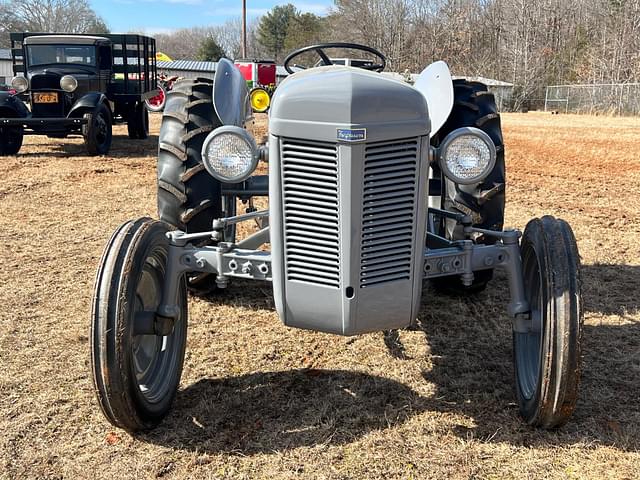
(530, 43)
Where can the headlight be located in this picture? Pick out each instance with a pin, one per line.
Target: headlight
(230, 154)
(68, 83)
(467, 155)
(20, 84)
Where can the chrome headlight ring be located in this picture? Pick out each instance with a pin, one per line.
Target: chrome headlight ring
(68, 83)
(467, 155)
(20, 84)
(230, 154)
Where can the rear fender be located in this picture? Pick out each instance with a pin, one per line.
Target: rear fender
(12, 107)
(231, 95)
(87, 104)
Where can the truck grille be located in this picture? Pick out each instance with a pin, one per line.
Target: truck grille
(49, 109)
(310, 191)
(389, 202)
(44, 81)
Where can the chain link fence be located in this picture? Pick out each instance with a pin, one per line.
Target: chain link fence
(611, 99)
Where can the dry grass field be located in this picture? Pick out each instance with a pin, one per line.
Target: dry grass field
(259, 400)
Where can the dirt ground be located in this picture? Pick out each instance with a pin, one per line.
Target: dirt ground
(259, 400)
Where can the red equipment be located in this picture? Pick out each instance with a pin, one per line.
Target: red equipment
(257, 72)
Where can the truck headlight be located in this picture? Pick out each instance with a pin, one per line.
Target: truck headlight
(68, 83)
(467, 155)
(230, 154)
(19, 84)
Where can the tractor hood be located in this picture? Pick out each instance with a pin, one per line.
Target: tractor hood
(315, 103)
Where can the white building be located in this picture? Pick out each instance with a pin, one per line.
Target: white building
(6, 67)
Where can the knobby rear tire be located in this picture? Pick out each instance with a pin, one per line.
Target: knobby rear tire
(188, 197)
(474, 106)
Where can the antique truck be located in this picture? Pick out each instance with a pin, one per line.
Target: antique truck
(374, 186)
(77, 85)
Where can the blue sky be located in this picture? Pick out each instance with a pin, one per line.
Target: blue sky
(158, 16)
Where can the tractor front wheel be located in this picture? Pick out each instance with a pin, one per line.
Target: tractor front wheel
(136, 365)
(547, 353)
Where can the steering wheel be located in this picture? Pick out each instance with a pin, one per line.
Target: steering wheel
(319, 49)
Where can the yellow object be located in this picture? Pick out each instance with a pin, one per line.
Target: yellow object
(161, 57)
(260, 100)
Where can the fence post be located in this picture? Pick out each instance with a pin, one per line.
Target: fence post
(546, 96)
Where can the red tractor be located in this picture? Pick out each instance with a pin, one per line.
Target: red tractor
(261, 80)
(165, 84)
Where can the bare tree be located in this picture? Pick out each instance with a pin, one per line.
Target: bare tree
(61, 16)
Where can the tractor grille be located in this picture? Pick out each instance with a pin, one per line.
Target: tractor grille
(388, 211)
(310, 191)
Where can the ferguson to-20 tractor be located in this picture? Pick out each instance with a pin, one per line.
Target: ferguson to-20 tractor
(374, 186)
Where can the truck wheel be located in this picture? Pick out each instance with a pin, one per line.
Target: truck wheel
(474, 106)
(97, 131)
(188, 197)
(135, 375)
(138, 122)
(11, 140)
(548, 357)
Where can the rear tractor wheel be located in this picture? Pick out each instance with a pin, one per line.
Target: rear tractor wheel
(188, 197)
(474, 106)
(136, 363)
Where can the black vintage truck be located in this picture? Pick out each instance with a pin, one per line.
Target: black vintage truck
(77, 85)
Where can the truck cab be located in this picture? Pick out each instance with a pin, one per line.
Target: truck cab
(83, 62)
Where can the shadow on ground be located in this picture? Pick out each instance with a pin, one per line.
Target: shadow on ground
(121, 147)
(469, 340)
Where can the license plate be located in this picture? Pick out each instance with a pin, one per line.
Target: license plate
(45, 97)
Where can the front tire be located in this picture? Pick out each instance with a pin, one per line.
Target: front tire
(97, 132)
(547, 358)
(11, 140)
(135, 375)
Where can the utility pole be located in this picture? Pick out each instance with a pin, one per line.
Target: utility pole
(244, 28)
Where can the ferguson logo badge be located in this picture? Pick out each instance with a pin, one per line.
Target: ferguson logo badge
(352, 135)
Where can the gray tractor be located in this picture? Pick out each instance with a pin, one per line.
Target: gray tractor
(374, 186)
